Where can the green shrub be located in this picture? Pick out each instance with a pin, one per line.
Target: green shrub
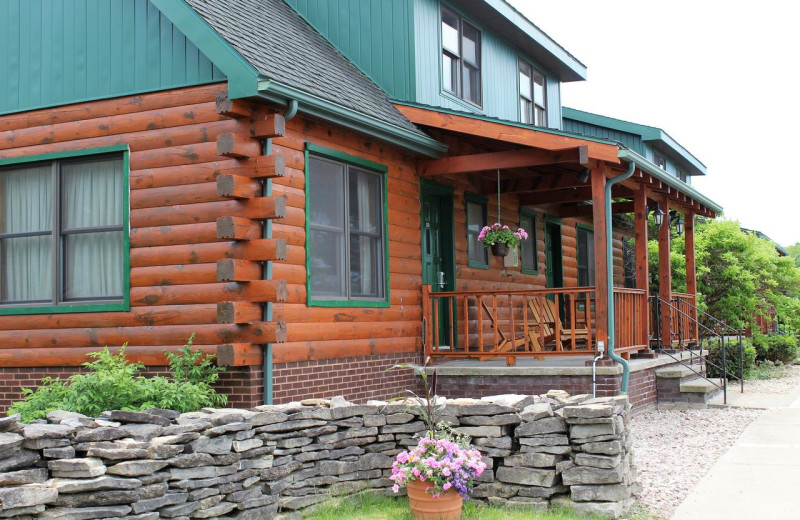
(761, 344)
(114, 383)
(731, 358)
(783, 349)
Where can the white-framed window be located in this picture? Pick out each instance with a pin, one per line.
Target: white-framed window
(532, 95)
(63, 237)
(461, 57)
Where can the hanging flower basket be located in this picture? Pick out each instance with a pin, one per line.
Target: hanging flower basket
(500, 249)
(500, 238)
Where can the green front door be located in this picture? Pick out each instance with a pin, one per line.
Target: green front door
(553, 256)
(438, 247)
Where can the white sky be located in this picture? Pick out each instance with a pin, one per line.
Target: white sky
(721, 77)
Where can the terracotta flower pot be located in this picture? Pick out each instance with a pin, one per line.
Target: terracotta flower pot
(499, 249)
(424, 506)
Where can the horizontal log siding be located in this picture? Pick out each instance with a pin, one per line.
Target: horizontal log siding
(175, 247)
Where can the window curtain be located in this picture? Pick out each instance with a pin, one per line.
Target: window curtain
(365, 244)
(26, 206)
(91, 199)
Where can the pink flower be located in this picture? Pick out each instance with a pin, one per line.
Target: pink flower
(447, 486)
(396, 488)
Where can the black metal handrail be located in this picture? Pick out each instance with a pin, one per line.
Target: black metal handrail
(721, 338)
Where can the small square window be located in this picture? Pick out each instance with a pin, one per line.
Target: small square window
(659, 161)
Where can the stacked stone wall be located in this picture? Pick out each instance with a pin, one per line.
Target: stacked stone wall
(274, 462)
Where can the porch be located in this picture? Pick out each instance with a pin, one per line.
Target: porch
(543, 324)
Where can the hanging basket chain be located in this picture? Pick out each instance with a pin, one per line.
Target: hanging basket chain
(498, 195)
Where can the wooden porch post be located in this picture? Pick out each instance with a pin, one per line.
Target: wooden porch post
(642, 258)
(665, 274)
(601, 264)
(691, 274)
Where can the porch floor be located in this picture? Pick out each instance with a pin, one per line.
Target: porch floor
(557, 365)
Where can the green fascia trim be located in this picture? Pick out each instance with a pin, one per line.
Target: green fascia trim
(483, 200)
(647, 133)
(549, 219)
(585, 227)
(242, 76)
(666, 178)
(427, 185)
(534, 235)
(507, 122)
(385, 302)
(125, 304)
(277, 93)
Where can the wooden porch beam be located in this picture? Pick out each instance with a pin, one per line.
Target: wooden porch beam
(691, 273)
(640, 238)
(531, 183)
(599, 180)
(509, 133)
(556, 196)
(586, 210)
(502, 160)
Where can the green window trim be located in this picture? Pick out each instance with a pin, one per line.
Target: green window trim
(590, 265)
(64, 308)
(532, 234)
(330, 153)
(483, 201)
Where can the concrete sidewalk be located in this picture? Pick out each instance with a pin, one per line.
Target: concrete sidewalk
(758, 477)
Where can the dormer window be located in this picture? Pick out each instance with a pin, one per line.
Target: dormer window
(461, 57)
(659, 161)
(532, 105)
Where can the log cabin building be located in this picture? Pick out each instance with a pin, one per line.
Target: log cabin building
(300, 184)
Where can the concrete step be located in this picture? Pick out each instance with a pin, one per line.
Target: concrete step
(677, 372)
(701, 386)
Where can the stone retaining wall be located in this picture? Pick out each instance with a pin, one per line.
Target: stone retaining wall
(275, 461)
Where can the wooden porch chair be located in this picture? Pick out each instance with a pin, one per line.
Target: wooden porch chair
(506, 344)
(543, 325)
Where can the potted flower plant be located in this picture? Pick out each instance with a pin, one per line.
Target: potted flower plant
(440, 471)
(500, 238)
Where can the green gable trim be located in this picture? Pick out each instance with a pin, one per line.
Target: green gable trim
(647, 133)
(242, 76)
(275, 92)
(330, 153)
(74, 51)
(125, 304)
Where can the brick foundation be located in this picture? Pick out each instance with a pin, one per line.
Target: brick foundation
(244, 386)
(481, 386)
(358, 379)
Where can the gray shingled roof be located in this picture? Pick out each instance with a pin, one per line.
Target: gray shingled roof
(282, 46)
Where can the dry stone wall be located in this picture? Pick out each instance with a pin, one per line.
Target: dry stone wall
(276, 461)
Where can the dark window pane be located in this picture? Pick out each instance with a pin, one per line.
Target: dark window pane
(93, 266)
(366, 274)
(326, 193)
(450, 32)
(365, 201)
(26, 269)
(528, 246)
(472, 85)
(476, 219)
(91, 194)
(470, 45)
(525, 111)
(449, 73)
(26, 200)
(326, 263)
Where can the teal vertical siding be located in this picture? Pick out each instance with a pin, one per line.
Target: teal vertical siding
(376, 35)
(55, 52)
(632, 141)
(499, 73)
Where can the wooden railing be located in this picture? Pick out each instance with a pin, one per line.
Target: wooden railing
(533, 323)
(683, 318)
(631, 317)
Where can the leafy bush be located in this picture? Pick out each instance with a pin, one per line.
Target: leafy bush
(783, 349)
(113, 383)
(731, 358)
(761, 344)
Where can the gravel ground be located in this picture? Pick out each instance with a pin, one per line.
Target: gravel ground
(675, 449)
